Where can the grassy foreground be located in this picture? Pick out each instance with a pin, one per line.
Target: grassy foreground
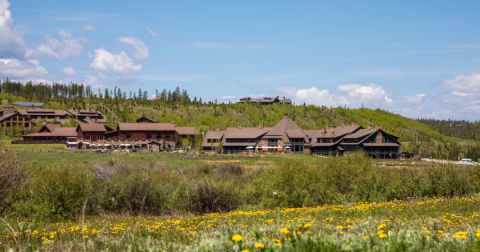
(434, 224)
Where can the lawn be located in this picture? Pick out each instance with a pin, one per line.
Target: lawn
(434, 224)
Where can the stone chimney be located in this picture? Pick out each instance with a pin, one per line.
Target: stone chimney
(26, 109)
(52, 108)
(73, 109)
(286, 116)
(173, 122)
(369, 127)
(217, 129)
(354, 124)
(89, 109)
(343, 124)
(378, 126)
(239, 125)
(8, 110)
(332, 134)
(260, 125)
(327, 128)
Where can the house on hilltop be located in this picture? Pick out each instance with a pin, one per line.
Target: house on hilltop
(266, 100)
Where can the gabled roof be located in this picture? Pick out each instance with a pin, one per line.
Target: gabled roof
(339, 131)
(286, 124)
(93, 127)
(146, 127)
(249, 133)
(42, 112)
(214, 135)
(186, 130)
(217, 135)
(53, 130)
(7, 116)
(146, 118)
(361, 133)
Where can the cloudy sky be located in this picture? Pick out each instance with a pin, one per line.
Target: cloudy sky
(415, 59)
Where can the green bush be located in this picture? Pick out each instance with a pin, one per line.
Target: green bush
(55, 192)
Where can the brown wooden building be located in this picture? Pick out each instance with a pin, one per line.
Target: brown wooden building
(50, 133)
(11, 118)
(92, 131)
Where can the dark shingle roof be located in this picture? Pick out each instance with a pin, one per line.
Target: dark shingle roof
(96, 127)
(146, 126)
(186, 130)
(7, 116)
(245, 132)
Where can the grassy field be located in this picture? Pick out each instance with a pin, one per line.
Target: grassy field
(46, 154)
(434, 224)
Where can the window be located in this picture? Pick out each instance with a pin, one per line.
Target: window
(27, 125)
(272, 140)
(167, 136)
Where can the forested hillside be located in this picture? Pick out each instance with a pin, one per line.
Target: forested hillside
(455, 128)
(423, 137)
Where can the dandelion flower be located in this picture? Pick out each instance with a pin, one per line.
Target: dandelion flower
(340, 227)
(284, 231)
(259, 245)
(237, 238)
(307, 225)
(278, 244)
(245, 250)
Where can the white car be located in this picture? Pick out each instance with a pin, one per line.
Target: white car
(467, 160)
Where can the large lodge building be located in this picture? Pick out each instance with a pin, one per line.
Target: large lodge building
(287, 136)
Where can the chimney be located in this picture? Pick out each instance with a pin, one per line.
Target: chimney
(89, 109)
(260, 125)
(173, 122)
(354, 124)
(52, 108)
(8, 110)
(217, 129)
(343, 124)
(369, 127)
(95, 110)
(239, 125)
(26, 109)
(327, 128)
(378, 126)
(332, 134)
(286, 116)
(73, 109)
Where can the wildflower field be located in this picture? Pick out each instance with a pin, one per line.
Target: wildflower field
(434, 224)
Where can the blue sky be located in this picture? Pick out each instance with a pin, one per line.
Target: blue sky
(418, 59)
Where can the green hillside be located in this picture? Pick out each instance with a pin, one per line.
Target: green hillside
(177, 106)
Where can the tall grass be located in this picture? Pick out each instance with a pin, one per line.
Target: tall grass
(63, 192)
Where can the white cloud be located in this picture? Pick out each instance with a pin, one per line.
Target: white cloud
(229, 97)
(12, 44)
(89, 27)
(69, 47)
(68, 70)
(141, 52)
(120, 63)
(105, 63)
(369, 92)
(153, 34)
(455, 105)
(464, 83)
(23, 71)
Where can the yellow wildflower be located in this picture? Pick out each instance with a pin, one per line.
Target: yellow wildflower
(237, 238)
(307, 225)
(259, 245)
(284, 231)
